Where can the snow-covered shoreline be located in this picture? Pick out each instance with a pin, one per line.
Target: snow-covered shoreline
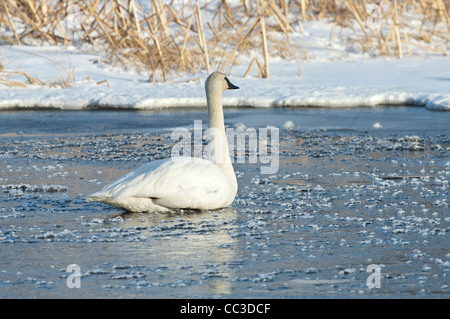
(325, 67)
(361, 82)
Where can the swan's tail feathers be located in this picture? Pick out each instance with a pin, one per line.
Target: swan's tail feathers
(98, 196)
(101, 198)
(130, 204)
(95, 198)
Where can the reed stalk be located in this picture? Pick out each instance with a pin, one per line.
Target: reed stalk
(169, 38)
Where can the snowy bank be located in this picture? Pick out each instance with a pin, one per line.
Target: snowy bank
(420, 81)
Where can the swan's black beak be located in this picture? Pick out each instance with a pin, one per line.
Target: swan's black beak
(231, 86)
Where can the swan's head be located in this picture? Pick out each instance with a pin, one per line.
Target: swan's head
(219, 80)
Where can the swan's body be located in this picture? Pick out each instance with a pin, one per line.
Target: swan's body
(181, 182)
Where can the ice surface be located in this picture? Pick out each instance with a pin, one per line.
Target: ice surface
(346, 196)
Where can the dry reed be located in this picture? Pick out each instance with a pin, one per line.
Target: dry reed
(172, 39)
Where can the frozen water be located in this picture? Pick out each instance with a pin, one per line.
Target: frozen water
(347, 195)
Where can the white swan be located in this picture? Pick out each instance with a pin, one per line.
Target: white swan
(182, 183)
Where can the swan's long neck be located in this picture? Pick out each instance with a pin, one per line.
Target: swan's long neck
(218, 140)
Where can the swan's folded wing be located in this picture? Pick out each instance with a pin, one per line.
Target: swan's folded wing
(128, 181)
(175, 183)
(197, 197)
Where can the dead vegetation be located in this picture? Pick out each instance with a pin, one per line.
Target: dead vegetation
(170, 39)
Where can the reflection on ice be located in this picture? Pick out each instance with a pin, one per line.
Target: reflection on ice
(189, 240)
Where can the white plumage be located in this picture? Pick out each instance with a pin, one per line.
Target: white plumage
(181, 182)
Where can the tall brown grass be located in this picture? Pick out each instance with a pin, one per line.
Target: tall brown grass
(171, 39)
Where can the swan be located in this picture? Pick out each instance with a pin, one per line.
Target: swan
(182, 182)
